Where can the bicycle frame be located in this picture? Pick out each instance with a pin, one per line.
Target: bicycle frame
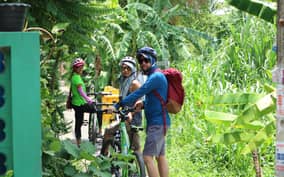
(124, 140)
(124, 144)
(133, 165)
(93, 119)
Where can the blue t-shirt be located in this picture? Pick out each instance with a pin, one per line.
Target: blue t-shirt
(152, 105)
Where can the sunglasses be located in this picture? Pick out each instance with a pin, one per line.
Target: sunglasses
(141, 60)
(125, 68)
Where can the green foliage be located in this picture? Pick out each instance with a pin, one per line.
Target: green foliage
(218, 55)
(241, 63)
(9, 173)
(155, 29)
(253, 125)
(79, 32)
(68, 160)
(257, 8)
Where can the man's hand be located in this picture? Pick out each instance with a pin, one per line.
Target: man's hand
(130, 116)
(138, 106)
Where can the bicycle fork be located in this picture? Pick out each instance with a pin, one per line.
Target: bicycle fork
(125, 145)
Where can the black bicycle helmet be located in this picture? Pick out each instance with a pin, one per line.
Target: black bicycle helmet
(148, 51)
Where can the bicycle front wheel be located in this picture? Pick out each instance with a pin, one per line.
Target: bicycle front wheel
(137, 166)
(93, 128)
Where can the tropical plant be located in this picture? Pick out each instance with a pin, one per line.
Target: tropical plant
(252, 125)
(264, 10)
(240, 64)
(183, 32)
(64, 158)
(153, 25)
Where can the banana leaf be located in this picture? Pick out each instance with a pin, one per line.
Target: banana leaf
(256, 8)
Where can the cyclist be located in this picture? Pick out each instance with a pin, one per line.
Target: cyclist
(80, 101)
(155, 114)
(128, 82)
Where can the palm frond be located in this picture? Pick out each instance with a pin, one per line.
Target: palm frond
(116, 28)
(260, 9)
(124, 45)
(160, 5)
(133, 19)
(174, 11)
(105, 43)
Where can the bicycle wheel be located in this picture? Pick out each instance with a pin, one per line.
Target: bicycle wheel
(93, 128)
(137, 166)
(110, 146)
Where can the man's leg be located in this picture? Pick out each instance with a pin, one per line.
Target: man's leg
(108, 135)
(163, 166)
(154, 146)
(151, 166)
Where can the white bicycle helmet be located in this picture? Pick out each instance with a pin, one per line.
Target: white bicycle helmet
(78, 62)
(129, 61)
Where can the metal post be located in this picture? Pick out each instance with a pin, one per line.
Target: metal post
(279, 166)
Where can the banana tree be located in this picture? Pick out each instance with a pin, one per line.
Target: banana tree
(141, 24)
(251, 125)
(264, 10)
(154, 25)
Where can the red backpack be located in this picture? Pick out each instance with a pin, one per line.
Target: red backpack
(176, 93)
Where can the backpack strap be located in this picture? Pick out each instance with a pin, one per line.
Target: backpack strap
(163, 103)
(70, 89)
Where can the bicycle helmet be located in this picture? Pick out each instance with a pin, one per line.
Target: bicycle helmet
(149, 54)
(146, 52)
(78, 62)
(129, 61)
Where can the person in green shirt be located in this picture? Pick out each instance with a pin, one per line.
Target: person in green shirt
(81, 103)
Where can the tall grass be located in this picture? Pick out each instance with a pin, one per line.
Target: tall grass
(241, 62)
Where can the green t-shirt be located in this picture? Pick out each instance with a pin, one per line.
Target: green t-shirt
(77, 99)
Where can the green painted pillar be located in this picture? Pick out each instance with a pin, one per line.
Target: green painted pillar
(20, 124)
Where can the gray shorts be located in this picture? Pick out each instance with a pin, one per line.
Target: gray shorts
(155, 141)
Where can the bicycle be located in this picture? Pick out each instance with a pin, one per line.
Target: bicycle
(120, 144)
(93, 124)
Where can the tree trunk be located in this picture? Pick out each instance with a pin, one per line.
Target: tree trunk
(256, 163)
(98, 66)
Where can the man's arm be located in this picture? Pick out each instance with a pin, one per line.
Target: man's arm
(152, 83)
(135, 85)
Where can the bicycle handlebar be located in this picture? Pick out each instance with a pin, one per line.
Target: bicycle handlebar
(123, 114)
(103, 104)
(101, 110)
(99, 93)
(124, 111)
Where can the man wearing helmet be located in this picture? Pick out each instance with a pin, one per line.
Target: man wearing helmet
(128, 82)
(157, 118)
(80, 101)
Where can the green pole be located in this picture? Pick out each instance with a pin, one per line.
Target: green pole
(21, 110)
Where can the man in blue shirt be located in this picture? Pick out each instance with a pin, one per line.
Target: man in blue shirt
(157, 117)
